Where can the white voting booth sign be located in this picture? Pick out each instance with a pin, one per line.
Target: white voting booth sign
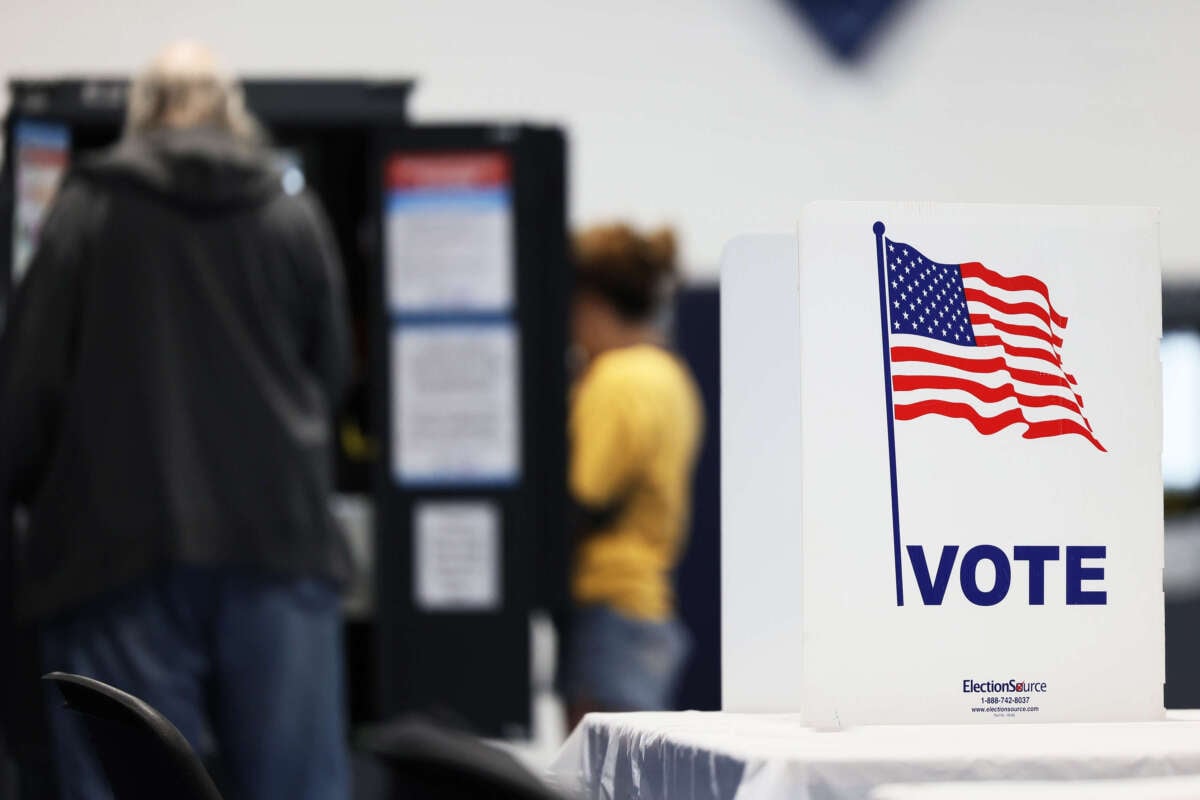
(966, 466)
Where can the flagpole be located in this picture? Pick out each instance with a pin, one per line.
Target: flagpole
(881, 259)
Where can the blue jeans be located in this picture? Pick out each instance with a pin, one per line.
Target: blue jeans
(617, 663)
(243, 663)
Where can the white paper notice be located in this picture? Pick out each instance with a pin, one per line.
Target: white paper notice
(449, 233)
(41, 154)
(456, 558)
(455, 414)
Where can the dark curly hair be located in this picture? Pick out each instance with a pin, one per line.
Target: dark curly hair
(635, 272)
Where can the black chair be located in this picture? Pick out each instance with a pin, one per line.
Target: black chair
(142, 753)
(425, 760)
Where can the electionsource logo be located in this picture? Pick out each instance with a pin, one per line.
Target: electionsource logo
(1013, 686)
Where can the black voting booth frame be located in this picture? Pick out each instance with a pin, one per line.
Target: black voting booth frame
(443, 661)
(1181, 314)
(473, 668)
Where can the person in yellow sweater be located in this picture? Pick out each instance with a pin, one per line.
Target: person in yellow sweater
(635, 428)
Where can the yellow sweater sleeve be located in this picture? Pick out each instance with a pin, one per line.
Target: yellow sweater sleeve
(607, 441)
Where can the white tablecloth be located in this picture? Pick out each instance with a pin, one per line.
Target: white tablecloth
(753, 756)
(1177, 788)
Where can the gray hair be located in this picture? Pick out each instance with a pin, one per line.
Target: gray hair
(184, 87)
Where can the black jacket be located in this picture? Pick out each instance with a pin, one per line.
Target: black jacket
(168, 374)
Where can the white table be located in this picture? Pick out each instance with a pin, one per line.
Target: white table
(753, 756)
(1184, 787)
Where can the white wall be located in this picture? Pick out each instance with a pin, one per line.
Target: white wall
(724, 116)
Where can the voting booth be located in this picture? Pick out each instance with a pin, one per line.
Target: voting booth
(450, 446)
(471, 506)
(323, 134)
(942, 481)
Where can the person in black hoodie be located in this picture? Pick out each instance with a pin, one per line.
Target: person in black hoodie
(167, 379)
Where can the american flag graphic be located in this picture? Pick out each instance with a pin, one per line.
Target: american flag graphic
(970, 343)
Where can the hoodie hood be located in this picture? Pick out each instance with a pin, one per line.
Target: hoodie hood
(201, 169)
